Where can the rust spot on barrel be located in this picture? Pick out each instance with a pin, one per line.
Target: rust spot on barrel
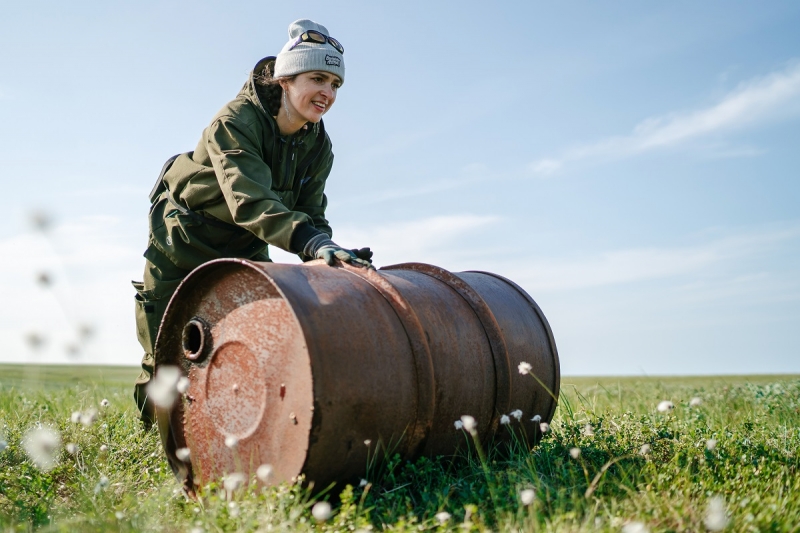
(290, 365)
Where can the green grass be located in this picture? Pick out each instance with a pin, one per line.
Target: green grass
(755, 466)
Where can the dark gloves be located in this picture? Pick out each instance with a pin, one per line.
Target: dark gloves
(321, 247)
(363, 253)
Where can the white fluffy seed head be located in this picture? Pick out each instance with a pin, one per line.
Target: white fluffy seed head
(75, 417)
(71, 448)
(104, 402)
(696, 401)
(264, 473)
(544, 427)
(103, 449)
(505, 420)
(716, 518)
(362, 483)
(644, 450)
(231, 441)
(183, 454)
(163, 387)
(88, 417)
(41, 444)
(469, 423)
(527, 496)
(321, 511)
(183, 384)
(524, 368)
(234, 481)
(458, 424)
(588, 430)
(442, 516)
(635, 527)
(516, 413)
(665, 406)
(711, 444)
(574, 452)
(536, 419)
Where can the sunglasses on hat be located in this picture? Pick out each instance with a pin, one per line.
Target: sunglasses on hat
(313, 36)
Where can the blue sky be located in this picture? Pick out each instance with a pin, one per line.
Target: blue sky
(634, 166)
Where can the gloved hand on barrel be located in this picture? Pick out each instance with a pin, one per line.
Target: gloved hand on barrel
(321, 247)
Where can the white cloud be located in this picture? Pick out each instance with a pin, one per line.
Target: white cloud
(772, 97)
(640, 264)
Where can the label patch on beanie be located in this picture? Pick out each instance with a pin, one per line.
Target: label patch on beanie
(333, 60)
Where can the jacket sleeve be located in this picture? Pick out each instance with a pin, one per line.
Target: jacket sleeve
(246, 183)
(312, 200)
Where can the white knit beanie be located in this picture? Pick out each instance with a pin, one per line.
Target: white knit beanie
(307, 56)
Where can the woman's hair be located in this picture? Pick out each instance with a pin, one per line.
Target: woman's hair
(269, 88)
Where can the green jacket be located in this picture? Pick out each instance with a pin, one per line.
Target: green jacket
(243, 173)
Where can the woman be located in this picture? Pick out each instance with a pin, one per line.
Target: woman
(257, 177)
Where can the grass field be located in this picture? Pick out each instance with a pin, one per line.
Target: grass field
(611, 462)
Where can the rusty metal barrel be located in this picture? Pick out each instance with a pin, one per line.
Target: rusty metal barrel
(310, 368)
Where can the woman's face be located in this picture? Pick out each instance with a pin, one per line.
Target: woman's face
(311, 94)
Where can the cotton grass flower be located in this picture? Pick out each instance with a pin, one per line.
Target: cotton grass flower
(716, 518)
(183, 384)
(231, 441)
(588, 430)
(635, 527)
(516, 413)
(102, 483)
(41, 444)
(442, 517)
(711, 444)
(321, 511)
(469, 424)
(524, 368)
(574, 452)
(665, 406)
(527, 496)
(163, 388)
(458, 424)
(104, 402)
(696, 402)
(234, 481)
(505, 420)
(363, 483)
(544, 427)
(183, 454)
(644, 450)
(536, 419)
(264, 473)
(87, 418)
(103, 449)
(72, 448)
(75, 417)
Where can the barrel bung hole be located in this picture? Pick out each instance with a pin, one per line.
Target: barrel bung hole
(194, 338)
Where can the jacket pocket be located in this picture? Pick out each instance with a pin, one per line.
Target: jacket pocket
(146, 317)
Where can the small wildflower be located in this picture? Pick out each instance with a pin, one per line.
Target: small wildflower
(264, 473)
(183, 384)
(716, 515)
(544, 427)
(163, 388)
(458, 424)
(516, 413)
(362, 483)
(588, 430)
(665, 406)
(696, 402)
(574, 452)
(635, 527)
(321, 511)
(505, 420)
(231, 441)
(527, 496)
(524, 368)
(75, 417)
(442, 516)
(469, 424)
(104, 402)
(233, 481)
(71, 448)
(183, 454)
(536, 419)
(711, 444)
(41, 444)
(644, 450)
(367, 442)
